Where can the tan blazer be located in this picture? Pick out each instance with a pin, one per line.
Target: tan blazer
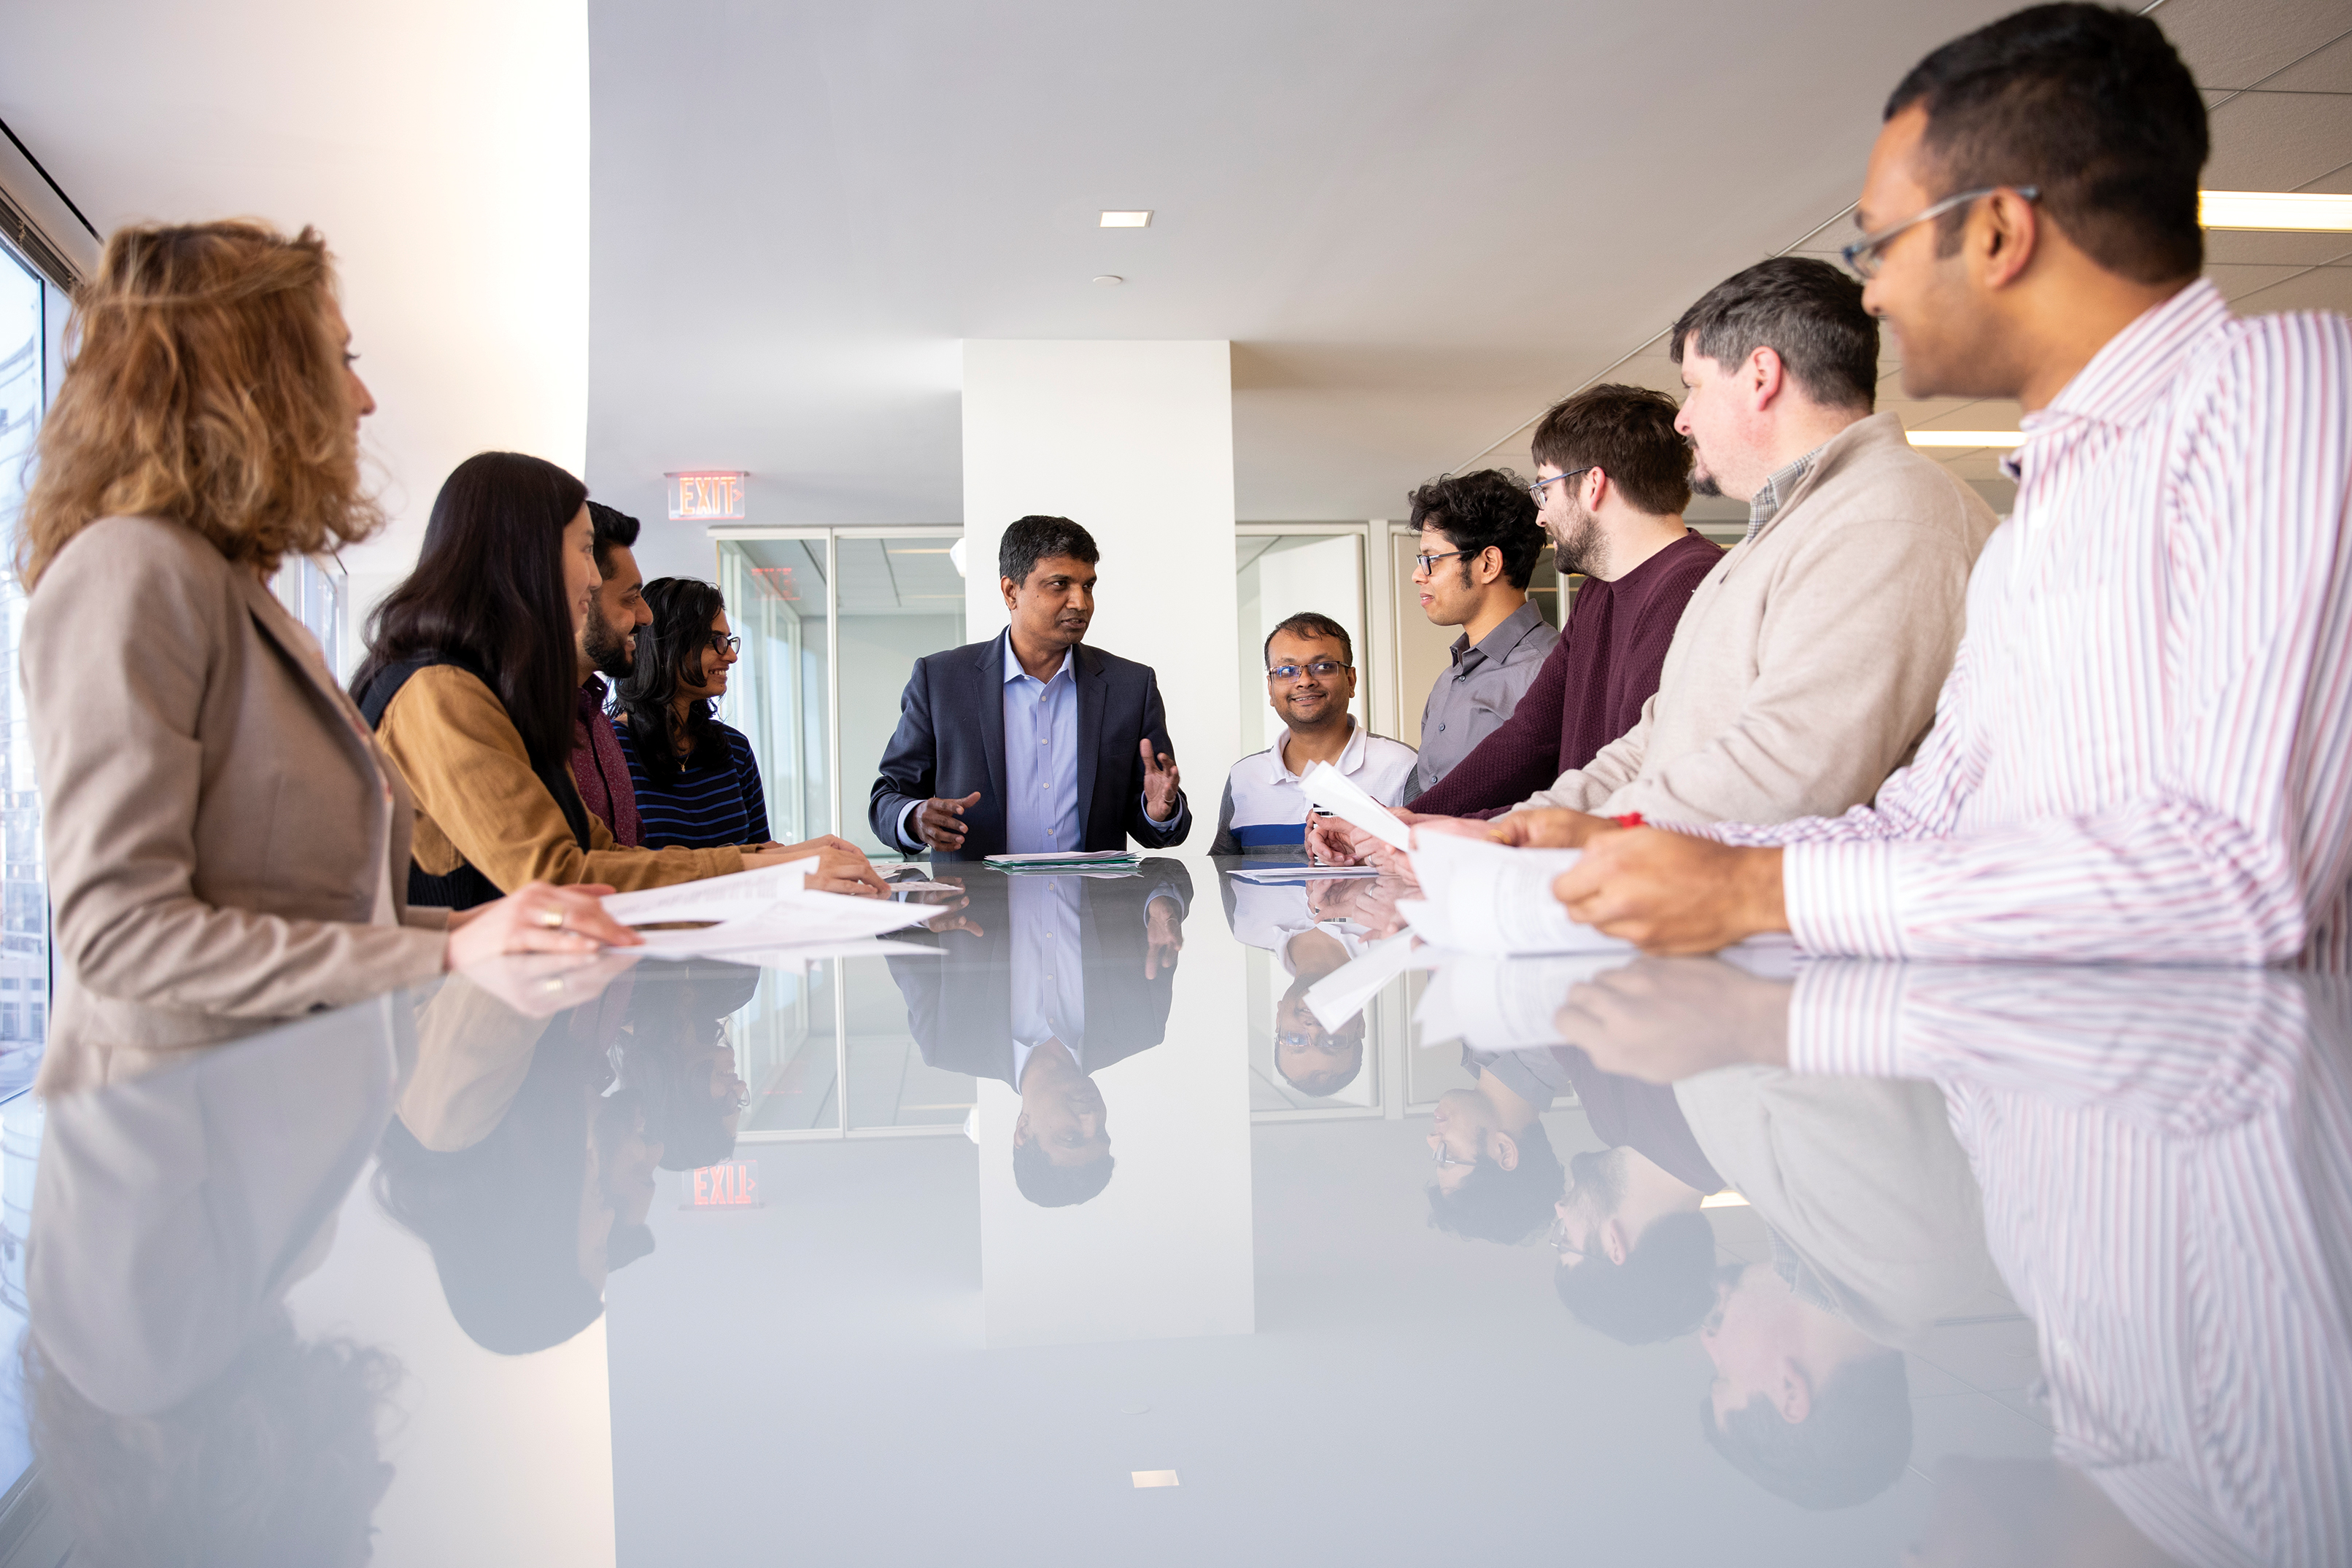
(1806, 666)
(219, 824)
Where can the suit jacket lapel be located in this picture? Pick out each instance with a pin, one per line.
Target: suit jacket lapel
(991, 667)
(1089, 682)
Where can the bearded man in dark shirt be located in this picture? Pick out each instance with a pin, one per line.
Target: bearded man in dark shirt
(1612, 478)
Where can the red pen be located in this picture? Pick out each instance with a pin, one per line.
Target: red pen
(1630, 820)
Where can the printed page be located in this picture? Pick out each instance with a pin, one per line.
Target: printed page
(1331, 790)
(1481, 897)
(1503, 1004)
(712, 898)
(798, 922)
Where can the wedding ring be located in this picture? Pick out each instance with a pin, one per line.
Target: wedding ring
(552, 918)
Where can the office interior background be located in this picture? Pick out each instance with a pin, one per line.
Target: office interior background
(1224, 287)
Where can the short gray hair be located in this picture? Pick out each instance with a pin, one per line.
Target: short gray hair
(1804, 311)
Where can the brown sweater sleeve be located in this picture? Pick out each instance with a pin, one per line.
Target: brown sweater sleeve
(479, 801)
(1517, 759)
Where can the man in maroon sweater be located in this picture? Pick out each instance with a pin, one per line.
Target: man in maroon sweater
(1613, 478)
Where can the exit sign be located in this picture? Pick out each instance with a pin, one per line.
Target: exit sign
(733, 1185)
(712, 496)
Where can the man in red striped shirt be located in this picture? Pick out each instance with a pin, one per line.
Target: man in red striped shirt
(2140, 753)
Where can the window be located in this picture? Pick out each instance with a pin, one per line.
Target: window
(25, 312)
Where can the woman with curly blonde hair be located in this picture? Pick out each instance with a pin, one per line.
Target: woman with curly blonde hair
(226, 846)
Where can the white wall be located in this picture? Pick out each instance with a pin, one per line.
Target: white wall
(1135, 441)
(442, 147)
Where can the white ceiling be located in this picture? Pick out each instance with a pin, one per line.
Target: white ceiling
(1417, 224)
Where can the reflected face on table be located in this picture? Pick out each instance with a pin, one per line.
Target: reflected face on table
(1309, 1058)
(1062, 1111)
(1463, 1129)
(1752, 1337)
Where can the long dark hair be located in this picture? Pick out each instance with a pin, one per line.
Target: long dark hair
(669, 650)
(487, 592)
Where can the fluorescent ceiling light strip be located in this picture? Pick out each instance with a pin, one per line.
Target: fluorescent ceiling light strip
(1965, 437)
(1131, 220)
(2273, 210)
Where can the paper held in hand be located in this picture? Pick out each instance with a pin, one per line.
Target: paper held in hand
(1330, 790)
(770, 907)
(1481, 897)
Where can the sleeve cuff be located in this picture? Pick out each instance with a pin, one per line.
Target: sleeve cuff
(906, 841)
(1841, 899)
(1847, 1020)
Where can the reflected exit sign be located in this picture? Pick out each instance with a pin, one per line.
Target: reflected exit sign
(715, 496)
(733, 1185)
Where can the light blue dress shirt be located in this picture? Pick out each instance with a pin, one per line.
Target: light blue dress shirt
(1049, 987)
(1041, 757)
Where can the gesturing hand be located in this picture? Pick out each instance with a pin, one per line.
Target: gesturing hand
(1159, 781)
(1163, 936)
(940, 823)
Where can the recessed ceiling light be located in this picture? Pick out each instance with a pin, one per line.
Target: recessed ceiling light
(1110, 281)
(2269, 210)
(1141, 220)
(1965, 437)
(1154, 1478)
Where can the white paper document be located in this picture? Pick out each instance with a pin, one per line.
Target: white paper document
(1349, 988)
(1331, 790)
(1286, 874)
(1489, 898)
(799, 956)
(1063, 857)
(1503, 1004)
(800, 921)
(713, 898)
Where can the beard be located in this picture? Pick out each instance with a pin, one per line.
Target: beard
(606, 646)
(1703, 483)
(1578, 548)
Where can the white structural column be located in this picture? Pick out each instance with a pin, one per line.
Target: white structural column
(1134, 441)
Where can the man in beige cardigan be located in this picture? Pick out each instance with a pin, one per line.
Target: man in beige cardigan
(1806, 668)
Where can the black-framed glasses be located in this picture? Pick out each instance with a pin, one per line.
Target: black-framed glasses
(1321, 669)
(1429, 562)
(1442, 1157)
(722, 644)
(1536, 489)
(1866, 254)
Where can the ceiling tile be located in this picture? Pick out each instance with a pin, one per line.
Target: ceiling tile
(2237, 282)
(2329, 70)
(2232, 43)
(2278, 140)
(2322, 288)
(2227, 248)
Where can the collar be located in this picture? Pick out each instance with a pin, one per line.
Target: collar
(1500, 644)
(593, 692)
(1770, 496)
(1014, 672)
(2131, 369)
(1351, 756)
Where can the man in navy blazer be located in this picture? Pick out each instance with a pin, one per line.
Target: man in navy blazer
(1032, 741)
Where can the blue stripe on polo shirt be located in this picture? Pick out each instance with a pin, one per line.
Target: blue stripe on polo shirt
(1269, 834)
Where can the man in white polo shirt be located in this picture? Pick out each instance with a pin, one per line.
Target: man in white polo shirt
(1310, 679)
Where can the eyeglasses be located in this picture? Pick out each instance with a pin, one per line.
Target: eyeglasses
(1444, 1156)
(1321, 669)
(1866, 254)
(1557, 1239)
(1536, 489)
(723, 645)
(1429, 562)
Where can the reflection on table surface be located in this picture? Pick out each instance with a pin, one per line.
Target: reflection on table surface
(924, 1253)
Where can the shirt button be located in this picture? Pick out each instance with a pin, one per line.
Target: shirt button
(1441, 729)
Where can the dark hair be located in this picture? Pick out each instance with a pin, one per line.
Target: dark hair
(1507, 1206)
(1804, 311)
(668, 650)
(1035, 538)
(1307, 623)
(487, 589)
(279, 1460)
(613, 530)
(1049, 1185)
(503, 1217)
(1628, 432)
(1664, 1290)
(2090, 105)
(1488, 508)
(1851, 1445)
(674, 1018)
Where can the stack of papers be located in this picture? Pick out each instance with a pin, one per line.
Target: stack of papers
(762, 912)
(1481, 897)
(1069, 860)
(1289, 871)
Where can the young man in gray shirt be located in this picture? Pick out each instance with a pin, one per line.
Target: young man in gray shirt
(1479, 543)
